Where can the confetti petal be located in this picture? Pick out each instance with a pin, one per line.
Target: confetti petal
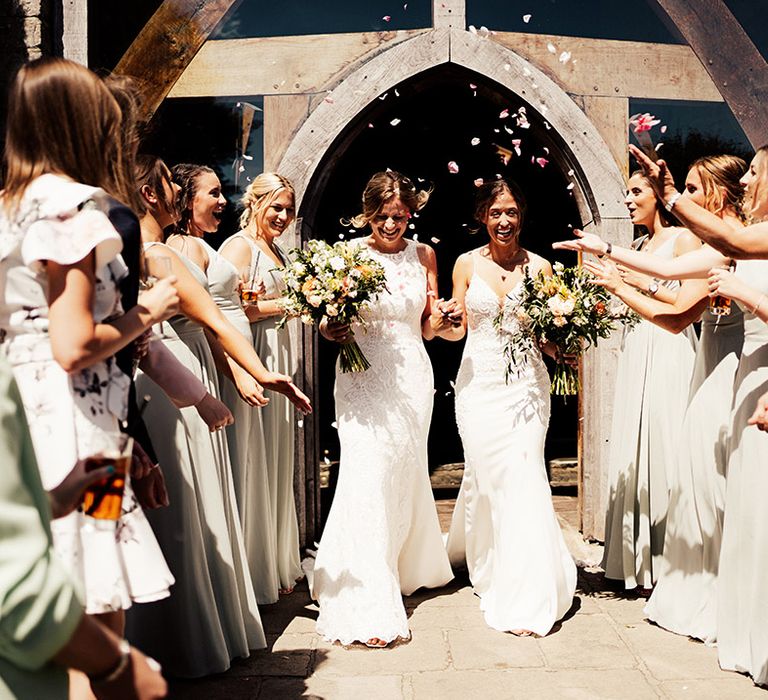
(663, 129)
(475, 141)
(516, 145)
(570, 186)
(473, 86)
(541, 161)
(551, 47)
(643, 122)
(507, 67)
(570, 173)
(435, 240)
(386, 18)
(503, 114)
(370, 126)
(527, 72)
(453, 167)
(658, 145)
(526, 18)
(329, 100)
(397, 94)
(564, 57)
(472, 29)
(478, 182)
(415, 238)
(300, 423)
(395, 122)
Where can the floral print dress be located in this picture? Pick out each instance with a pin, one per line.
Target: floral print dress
(72, 416)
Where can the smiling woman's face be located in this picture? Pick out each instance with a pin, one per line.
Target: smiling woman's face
(640, 201)
(208, 204)
(503, 219)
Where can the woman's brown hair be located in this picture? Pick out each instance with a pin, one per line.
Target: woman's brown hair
(62, 119)
(380, 189)
(151, 171)
(185, 176)
(489, 192)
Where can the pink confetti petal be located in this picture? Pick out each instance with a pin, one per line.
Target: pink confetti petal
(516, 145)
(386, 18)
(370, 126)
(541, 162)
(329, 100)
(643, 122)
(503, 114)
(473, 86)
(453, 167)
(478, 182)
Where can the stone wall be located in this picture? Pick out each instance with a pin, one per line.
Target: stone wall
(28, 29)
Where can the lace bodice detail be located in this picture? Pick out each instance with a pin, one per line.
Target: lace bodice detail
(485, 342)
(395, 317)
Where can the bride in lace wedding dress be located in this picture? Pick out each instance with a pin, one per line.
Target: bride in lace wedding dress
(382, 538)
(504, 524)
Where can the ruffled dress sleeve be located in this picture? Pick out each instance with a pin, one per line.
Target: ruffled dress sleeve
(70, 237)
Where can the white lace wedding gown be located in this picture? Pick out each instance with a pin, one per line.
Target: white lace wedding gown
(382, 538)
(504, 523)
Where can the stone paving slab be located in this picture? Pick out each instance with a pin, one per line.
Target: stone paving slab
(533, 685)
(488, 649)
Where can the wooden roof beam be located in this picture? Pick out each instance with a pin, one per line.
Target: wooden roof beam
(167, 43)
(729, 56)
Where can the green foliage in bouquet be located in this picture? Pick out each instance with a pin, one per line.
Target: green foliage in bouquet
(567, 309)
(336, 281)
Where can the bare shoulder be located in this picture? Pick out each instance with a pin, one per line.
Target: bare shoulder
(426, 254)
(235, 248)
(536, 264)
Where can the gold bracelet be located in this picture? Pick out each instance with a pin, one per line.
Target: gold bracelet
(759, 302)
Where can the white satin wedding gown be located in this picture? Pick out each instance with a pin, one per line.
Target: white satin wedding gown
(504, 524)
(382, 539)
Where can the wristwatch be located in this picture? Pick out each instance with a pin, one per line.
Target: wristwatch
(653, 287)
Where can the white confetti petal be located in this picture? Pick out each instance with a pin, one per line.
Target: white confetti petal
(300, 422)
(397, 94)
(527, 72)
(526, 18)
(435, 240)
(570, 173)
(507, 67)
(551, 47)
(475, 141)
(416, 237)
(472, 29)
(570, 186)
(395, 122)
(564, 57)
(335, 425)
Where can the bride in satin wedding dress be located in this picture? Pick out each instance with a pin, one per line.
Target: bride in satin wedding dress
(504, 524)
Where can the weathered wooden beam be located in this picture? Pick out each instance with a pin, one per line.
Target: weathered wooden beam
(729, 56)
(283, 115)
(449, 14)
(610, 115)
(285, 65)
(74, 34)
(612, 68)
(167, 44)
(280, 65)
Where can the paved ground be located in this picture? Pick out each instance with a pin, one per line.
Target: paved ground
(603, 649)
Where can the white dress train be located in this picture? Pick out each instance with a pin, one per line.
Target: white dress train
(504, 523)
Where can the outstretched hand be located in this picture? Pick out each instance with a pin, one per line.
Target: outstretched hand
(605, 273)
(657, 174)
(283, 384)
(584, 242)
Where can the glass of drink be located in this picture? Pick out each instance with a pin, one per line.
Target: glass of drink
(720, 305)
(248, 290)
(103, 500)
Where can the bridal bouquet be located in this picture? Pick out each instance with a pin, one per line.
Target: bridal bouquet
(335, 281)
(567, 309)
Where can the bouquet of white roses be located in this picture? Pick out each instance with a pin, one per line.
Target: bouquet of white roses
(334, 281)
(567, 309)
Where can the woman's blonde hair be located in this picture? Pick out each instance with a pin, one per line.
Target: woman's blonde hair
(260, 194)
(758, 204)
(383, 187)
(721, 182)
(62, 119)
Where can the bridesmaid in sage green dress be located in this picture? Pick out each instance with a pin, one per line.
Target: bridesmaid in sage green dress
(245, 437)
(268, 211)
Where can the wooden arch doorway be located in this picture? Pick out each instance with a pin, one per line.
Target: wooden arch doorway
(559, 132)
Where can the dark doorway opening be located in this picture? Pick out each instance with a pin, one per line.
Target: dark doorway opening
(446, 114)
